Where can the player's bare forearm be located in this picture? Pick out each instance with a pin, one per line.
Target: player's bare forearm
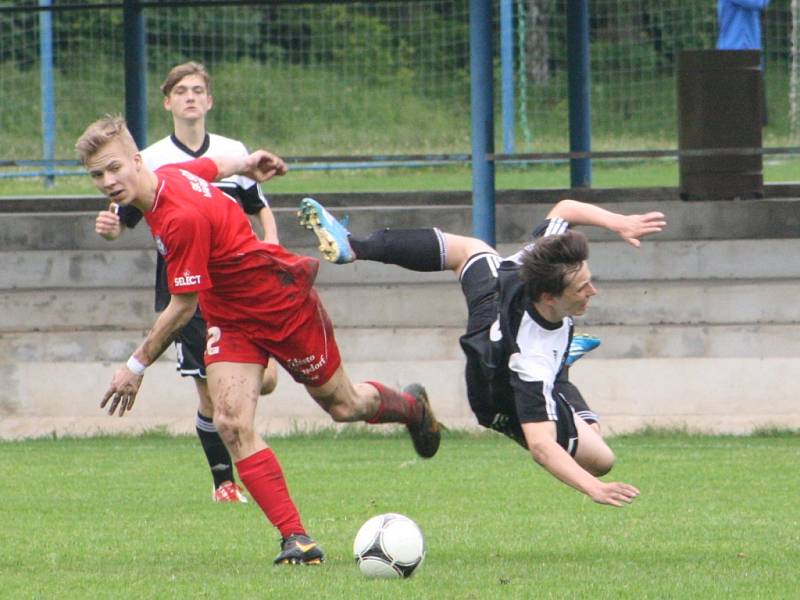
(228, 165)
(121, 393)
(557, 461)
(269, 226)
(259, 166)
(172, 319)
(630, 228)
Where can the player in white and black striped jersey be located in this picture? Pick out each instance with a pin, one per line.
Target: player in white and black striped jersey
(519, 326)
(187, 96)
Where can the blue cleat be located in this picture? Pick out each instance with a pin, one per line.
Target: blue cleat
(332, 235)
(580, 345)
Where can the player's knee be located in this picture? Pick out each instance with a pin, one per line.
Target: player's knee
(232, 428)
(602, 462)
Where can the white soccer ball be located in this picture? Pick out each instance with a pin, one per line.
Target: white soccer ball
(389, 545)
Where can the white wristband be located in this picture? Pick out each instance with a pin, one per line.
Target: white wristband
(135, 365)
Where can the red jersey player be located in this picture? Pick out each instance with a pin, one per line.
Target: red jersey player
(259, 302)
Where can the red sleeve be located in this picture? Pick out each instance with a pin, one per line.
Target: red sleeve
(203, 167)
(188, 248)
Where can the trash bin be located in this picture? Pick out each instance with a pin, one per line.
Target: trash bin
(720, 106)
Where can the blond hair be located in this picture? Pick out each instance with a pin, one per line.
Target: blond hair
(100, 133)
(178, 72)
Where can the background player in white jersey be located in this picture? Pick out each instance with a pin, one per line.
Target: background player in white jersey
(187, 96)
(519, 326)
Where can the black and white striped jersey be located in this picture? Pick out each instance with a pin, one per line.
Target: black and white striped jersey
(524, 352)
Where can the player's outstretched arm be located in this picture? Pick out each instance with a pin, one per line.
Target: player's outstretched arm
(557, 461)
(126, 381)
(630, 228)
(259, 166)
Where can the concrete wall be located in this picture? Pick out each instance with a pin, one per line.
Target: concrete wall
(699, 326)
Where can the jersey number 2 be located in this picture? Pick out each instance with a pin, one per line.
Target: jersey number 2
(214, 333)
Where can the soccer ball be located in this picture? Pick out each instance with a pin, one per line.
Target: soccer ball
(389, 545)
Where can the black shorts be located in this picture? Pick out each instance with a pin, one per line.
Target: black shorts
(566, 431)
(567, 390)
(488, 390)
(478, 284)
(191, 346)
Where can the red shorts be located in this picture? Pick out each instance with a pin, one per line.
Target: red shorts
(309, 353)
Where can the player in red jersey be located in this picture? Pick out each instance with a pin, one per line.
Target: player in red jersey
(188, 98)
(259, 302)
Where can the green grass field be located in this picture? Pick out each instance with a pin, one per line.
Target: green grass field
(117, 517)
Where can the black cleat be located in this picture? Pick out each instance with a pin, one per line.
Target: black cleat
(299, 549)
(426, 434)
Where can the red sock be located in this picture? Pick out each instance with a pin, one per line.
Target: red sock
(262, 475)
(394, 407)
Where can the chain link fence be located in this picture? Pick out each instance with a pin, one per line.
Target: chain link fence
(367, 78)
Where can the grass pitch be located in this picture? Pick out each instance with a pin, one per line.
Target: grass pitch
(132, 518)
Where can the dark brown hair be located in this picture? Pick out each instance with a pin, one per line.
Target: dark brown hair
(547, 265)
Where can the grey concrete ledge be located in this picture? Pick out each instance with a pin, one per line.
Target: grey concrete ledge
(69, 203)
(432, 305)
(762, 219)
(715, 395)
(430, 345)
(118, 267)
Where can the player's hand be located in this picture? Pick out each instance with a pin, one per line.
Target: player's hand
(632, 228)
(122, 391)
(107, 224)
(263, 166)
(614, 493)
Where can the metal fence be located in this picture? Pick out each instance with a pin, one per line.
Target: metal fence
(367, 79)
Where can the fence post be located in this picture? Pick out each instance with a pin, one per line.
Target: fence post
(507, 73)
(481, 97)
(135, 71)
(579, 75)
(48, 89)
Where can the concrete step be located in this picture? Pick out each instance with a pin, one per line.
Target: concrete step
(718, 395)
(710, 304)
(610, 261)
(69, 310)
(431, 305)
(629, 303)
(546, 196)
(367, 344)
(732, 219)
(70, 269)
(356, 344)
